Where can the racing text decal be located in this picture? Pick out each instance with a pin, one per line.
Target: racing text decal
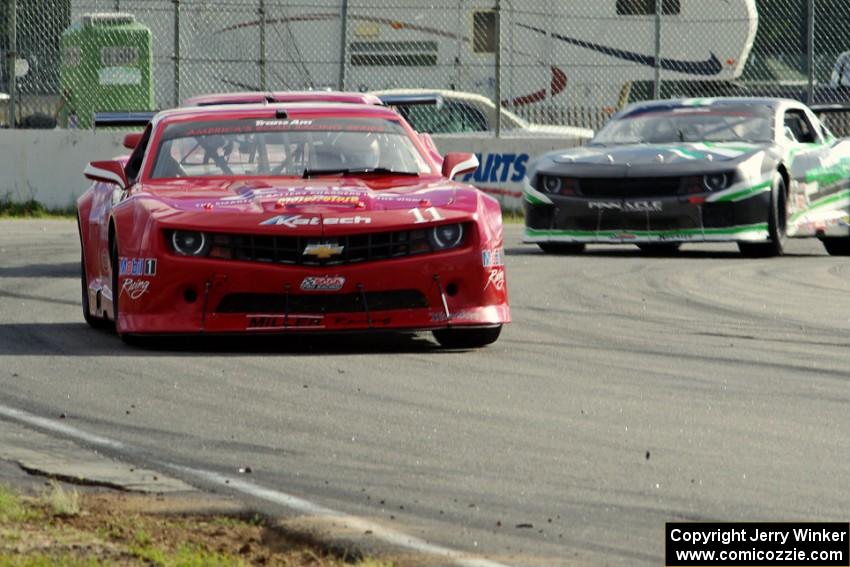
(134, 289)
(499, 168)
(323, 283)
(279, 322)
(294, 221)
(137, 266)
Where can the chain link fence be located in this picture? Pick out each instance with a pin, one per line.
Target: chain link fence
(500, 63)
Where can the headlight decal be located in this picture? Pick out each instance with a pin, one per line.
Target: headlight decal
(715, 182)
(534, 196)
(551, 183)
(741, 191)
(446, 236)
(190, 243)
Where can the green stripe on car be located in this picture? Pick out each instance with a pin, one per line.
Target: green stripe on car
(820, 203)
(672, 233)
(745, 193)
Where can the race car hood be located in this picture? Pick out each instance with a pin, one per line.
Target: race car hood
(647, 159)
(312, 205)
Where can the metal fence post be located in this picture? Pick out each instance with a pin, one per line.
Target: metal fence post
(11, 59)
(810, 50)
(498, 100)
(656, 85)
(343, 43)
(262, 13)
(176, 53)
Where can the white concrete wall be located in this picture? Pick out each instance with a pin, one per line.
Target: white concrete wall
(47, 165)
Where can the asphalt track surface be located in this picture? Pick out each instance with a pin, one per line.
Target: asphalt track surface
(629, 391)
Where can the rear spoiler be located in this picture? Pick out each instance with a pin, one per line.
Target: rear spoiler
(122, 119)
(827, 108)
(412, 99)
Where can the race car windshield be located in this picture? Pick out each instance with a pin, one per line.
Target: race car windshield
(689, 124)
(286, 148)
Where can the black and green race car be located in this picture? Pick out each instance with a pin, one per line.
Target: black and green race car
(662, 173)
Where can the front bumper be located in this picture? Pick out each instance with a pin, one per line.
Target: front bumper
(653, 219)
(202, 295)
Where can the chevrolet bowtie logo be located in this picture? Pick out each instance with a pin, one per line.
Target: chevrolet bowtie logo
(323, 250)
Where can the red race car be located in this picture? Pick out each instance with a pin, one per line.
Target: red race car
(290, 217)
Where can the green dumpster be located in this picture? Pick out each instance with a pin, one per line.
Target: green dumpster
(106, 65)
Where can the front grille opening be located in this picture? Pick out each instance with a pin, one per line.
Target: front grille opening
(283, 249)
(629, 187)
(632, 222)
(279, 303)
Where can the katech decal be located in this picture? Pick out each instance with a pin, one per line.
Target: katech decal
(499, 168)
(492, 258)
(294, 221)
(279, 322)
(134, 289)
(137, 266)
(323, 283)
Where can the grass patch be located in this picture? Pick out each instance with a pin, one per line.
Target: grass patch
(63, 527)
(32, 209)
(513, 217)
(62, 502)
(12, 508)
(185, 556)
(42, 560)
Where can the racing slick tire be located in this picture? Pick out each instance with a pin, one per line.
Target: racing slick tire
(777, 221)
(837, 246)
(93, 321)
(467, 338)
(561, 247)
(662, 249)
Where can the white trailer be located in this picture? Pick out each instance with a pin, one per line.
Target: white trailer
(561, 52)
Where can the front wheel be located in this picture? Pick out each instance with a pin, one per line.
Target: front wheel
(561, 247)
(116, 293)
(777, 220)
(837, 246)
(467, 338)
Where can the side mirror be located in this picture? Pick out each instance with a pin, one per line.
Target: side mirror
(455, 163)
(108, 171)
(132, 140)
